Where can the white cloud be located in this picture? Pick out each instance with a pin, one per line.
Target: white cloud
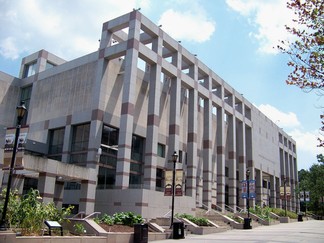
(187, 25)
(269, 17)
(66, 28)
(282, 119)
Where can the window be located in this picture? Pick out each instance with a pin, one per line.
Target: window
(25, 97)
(159, 179)
(49, 65)
(106, 178)
(108, 158)
(29, 69)
(71, 185)
(56, 139)
(161, 150)
(136, 165)
(226, 171)
(79, 145)
(29, 183)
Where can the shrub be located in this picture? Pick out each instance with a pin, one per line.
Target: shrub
(28, 212)
(195, 220)
(124, 218)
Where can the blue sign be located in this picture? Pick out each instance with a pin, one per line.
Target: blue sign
(252, 193)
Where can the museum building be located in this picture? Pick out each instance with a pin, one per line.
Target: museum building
(100, 130)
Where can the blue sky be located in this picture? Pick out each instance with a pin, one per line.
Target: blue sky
(235, 38)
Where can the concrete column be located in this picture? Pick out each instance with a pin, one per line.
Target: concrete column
(231, 142)
(46, 186)
(58, 194)
(128, 103)
(259, 187)
(207, 153)
(192, 156)
(221, 157)
(153, 119)
(87, 196)
(278, 201)
(241, 150)
(192, 143)
(273, 196)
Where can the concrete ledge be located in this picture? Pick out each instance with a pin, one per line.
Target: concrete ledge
(284, 219)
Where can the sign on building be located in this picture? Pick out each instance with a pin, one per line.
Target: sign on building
(178, 183)
(252, 193)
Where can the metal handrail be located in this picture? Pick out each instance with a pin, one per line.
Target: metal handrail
(166, 215)
(79, 214)
(92, 214)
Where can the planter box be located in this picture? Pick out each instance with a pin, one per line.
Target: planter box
(284, 219)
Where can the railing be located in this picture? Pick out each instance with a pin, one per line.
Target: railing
(82, 215)
(167, 214)
(91, 215)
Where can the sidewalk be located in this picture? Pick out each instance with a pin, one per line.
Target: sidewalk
(311, 231)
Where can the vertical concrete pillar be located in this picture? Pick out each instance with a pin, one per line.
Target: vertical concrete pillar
(192, 158)
(46, 186)
(278, 201)
(207, 152)
(128, 103)
(87, 196)
(231, 141)
(241, 150)
(153, 120)
(58, 194)
(273, 196)
(259, 187)
(221, 157)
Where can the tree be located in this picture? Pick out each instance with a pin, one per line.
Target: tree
(307, 50)
(312, 180)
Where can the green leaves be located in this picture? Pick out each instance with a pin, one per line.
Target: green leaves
(28, 212)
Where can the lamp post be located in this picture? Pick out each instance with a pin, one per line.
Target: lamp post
(247, 221)
(174, 160)
(21, 110)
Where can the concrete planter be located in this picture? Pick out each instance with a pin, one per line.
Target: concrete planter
(284, 219)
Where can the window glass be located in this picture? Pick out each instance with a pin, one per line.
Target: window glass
(29, 69)
(161, 150)
(106, 178)
(80, 138)
(25, 97)
(56, 139)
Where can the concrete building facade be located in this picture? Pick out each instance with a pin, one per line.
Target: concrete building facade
(101, 129)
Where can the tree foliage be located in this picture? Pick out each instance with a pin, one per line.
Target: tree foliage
(312, 180)
(307, 50)
(28, 212)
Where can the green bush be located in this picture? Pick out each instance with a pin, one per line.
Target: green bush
(124, 218)
(195, 220)
(28, 212)
(281, 212)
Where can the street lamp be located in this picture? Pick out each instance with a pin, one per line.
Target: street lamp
(21, 110)
(247, 220)
(174, 160)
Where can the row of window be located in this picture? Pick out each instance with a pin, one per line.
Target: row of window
(108, 157)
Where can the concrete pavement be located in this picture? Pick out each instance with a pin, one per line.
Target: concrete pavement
(311, 231)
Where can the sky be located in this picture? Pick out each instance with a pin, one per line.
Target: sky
(237, 39)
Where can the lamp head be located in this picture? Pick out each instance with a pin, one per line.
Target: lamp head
(21, 111)
(175, 157)
(247, 172)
